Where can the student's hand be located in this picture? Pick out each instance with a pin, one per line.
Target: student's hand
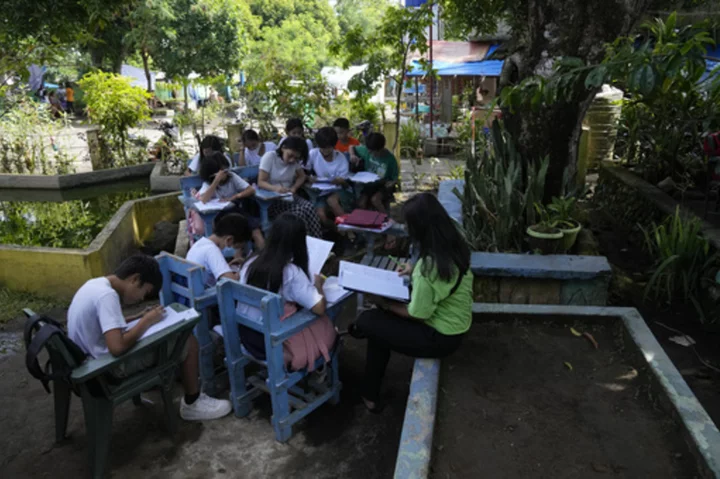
(354, 159)
(225, 200)
(339, 181)
(220, 176)
(154, 315)
(405, 269)
(319, 282)
(282, 190)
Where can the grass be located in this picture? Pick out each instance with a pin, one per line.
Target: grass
(13, 303)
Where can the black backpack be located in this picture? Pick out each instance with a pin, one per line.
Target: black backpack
(43, 332)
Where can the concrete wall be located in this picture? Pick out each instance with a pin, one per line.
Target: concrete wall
(60, 182)
(61, 271)
(161, 182)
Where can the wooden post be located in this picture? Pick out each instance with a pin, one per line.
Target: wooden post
(234, 133)
(417, 101)
(432, 78)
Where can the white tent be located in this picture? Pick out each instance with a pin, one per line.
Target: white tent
(137, 75)
(338, 79)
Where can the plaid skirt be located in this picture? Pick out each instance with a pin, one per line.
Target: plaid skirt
(301, 208)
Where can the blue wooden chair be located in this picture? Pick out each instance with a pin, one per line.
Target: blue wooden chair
(183, 283)
(290, 403)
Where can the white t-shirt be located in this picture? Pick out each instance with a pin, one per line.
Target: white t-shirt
(328, 170)
(252, 157)
(206, 253)
(296, 288)
(279, 172)
(194, 164)
(95, 310)
(307, 141)
(234, 185)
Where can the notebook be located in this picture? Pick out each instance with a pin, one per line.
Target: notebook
(212, 205)
(380, 282)
(364, 177)
(366, 219)
(171, 317)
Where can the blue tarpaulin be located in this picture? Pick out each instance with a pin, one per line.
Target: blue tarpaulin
(484, 67)
(415, 3)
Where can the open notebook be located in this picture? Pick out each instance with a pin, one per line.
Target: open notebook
(318, 252)
(379, 282)
(171, 317)
(212, 205)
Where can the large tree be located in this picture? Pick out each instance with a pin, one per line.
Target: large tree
(544, 31)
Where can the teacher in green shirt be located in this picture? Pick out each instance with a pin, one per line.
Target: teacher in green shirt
(440, 310)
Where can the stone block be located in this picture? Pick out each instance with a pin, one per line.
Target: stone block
(529, 291)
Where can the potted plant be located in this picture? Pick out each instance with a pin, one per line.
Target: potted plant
(560, 212)
(544, 236)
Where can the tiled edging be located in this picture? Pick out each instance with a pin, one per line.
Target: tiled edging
(62, 182)
(701, 434)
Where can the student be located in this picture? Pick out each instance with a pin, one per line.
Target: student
(224, 185)
(208, 146)
(230, 230)
(345, 141)
(254, 149)
(377, 159)
(294, 128)
(282, 268)
(96, 324)
(282, 171)
(432, 325)
(328, 164)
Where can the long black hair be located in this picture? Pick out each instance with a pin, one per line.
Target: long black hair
(295, 144)
(441, 244)
(285, 244)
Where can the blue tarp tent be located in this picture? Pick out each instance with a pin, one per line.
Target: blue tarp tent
(479, 68)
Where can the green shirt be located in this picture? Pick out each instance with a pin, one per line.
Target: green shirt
(384, 165)
(430, 302)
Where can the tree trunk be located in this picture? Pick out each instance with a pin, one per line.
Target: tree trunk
(146, 67)
(549, 29)
(185, 95)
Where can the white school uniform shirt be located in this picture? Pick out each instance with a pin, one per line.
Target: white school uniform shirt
(252, 157)
(206, 253)
(234, 185)
(279, 172)
(95, 310)
(296, 288)
(194, 164)
(328, 170)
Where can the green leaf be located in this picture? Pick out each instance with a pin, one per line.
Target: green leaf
(596, 77)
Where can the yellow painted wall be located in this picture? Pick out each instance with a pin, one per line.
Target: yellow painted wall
(60, 272)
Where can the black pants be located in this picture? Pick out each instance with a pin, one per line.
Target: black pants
(388, 332)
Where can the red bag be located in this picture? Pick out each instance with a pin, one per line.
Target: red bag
(366, 219)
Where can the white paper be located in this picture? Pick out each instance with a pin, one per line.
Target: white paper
(380, 282)
(333, 291)
(218, 329)
(318, 252)
(364, 177)
(212, 205)
(171, 317)
(271, 195)
(324, 187)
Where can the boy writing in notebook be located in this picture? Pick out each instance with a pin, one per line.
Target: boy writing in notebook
(97, 325)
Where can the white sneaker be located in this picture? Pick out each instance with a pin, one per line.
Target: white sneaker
(204, 408)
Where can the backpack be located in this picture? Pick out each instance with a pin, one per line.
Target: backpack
(39, 330)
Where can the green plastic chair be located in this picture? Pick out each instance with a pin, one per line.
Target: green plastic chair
(100, 392)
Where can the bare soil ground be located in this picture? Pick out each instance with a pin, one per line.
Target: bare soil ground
(510, 406)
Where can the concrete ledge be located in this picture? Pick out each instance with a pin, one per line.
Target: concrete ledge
(60, 272)
(564, 267)
(61, 182)
(162, 183)
(413, 460)
(449, 200)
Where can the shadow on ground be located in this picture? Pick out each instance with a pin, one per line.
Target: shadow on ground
(334, 441)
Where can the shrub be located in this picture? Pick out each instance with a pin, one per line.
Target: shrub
(115, 105)
(682, 259)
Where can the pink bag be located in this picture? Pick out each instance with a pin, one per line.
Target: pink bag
(306, 346)
(196, 225)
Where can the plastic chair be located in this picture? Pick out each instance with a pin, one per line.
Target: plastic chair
(100, 392)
